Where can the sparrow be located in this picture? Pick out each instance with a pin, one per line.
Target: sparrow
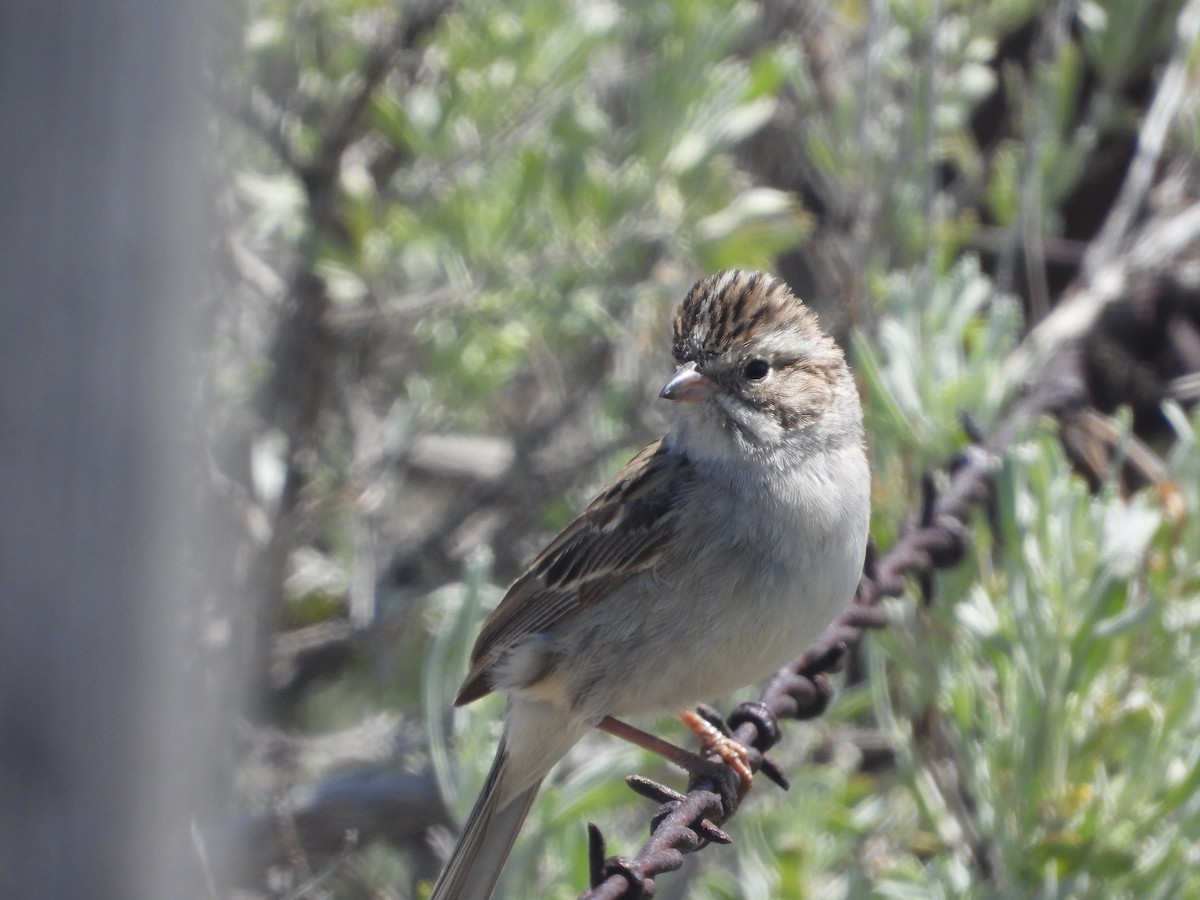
(715, 556)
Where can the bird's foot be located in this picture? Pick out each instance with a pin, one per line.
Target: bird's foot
(714, 739)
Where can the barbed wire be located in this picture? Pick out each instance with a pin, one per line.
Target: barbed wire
(936, 538)
(801, 690)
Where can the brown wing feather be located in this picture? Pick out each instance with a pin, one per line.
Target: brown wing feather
(621, 533)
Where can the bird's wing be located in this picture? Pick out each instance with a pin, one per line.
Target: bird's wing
(623, 532)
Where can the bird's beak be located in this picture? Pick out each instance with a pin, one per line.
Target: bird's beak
(687, 386)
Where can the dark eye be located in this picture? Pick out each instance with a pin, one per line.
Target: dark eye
(757, 369)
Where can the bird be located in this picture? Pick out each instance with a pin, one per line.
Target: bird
(717, 554)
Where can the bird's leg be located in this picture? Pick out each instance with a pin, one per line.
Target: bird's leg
(685, 759)
(694, 763)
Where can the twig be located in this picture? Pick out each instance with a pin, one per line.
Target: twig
(1030, 227)
(937, 742)
(317, 879)
(414, 22)
(1158, 247)
(1172, 90)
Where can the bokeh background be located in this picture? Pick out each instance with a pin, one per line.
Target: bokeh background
(446, 241)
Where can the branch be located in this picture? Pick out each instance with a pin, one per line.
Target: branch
(414, 23)
(1163, 246)
(1172, 91)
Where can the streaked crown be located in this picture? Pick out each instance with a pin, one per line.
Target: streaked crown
(735, 308)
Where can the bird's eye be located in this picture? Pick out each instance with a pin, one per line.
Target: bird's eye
(757, 369)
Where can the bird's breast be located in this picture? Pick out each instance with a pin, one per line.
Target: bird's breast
(756, 573)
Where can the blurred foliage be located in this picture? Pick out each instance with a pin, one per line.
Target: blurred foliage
(540, 159)
(499, 226)
(935, 356)
(1067, 678)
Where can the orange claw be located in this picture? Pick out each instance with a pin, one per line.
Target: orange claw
(731, 752)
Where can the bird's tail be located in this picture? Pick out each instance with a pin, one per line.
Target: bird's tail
(478, 858)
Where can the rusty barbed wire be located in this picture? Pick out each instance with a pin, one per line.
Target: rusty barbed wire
(936, 538)
(801, 690)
